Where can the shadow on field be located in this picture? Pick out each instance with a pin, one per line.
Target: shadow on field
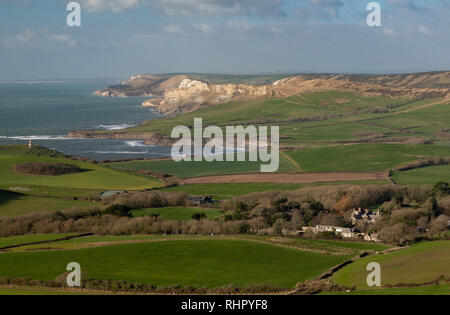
(7, 196)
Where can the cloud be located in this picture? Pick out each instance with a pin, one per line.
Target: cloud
(327, 3)
(39, 36)
(262, 8)
(424, 30)
(406, 4)
(110, 5)
(203, 29)
(319, 9)
(239, 25)
(25, 36)
(196, 30)
(63, 39)
(173, 29)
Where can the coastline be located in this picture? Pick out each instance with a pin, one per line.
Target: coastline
(148, 137)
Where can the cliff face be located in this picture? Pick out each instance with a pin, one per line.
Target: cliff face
(143, 85)
(176, 94)
(192, 94)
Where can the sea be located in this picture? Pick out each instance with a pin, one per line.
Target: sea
(46, 111)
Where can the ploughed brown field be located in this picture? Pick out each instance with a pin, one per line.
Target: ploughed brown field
(287, 178)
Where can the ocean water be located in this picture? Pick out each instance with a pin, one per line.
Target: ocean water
(46, 112)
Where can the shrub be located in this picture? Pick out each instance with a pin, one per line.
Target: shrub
(199, 216)
(51, 169)
(118, 210)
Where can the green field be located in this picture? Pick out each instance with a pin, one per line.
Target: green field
(443, 289)
(323, 117)
(357, 157)
(323, 246)
(94, 176)
(425, 175)
(363, 157)
(196, 169)
(51, 191)
(24, 239)
(88, 241)
(41, 291)
(198, 263)
(176, 213)
(243, 112)
(13, 204)
(424, 121)
(421, 263)
(356, 246)
(225, 191)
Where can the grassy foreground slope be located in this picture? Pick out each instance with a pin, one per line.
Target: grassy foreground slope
(322, 246)
(421, 263)
(14, 204)
(443, 289)
(93, 177)
(41, 291)
(24, 239)
(199, 263)
(425, 175)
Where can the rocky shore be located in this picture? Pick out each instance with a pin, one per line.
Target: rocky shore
(148, 137)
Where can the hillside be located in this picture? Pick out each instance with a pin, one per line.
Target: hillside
(314, 118)
(180, 93)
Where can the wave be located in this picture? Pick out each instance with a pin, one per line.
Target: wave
(115, 127)
(136, 143)
(41, 137)
(120, 152)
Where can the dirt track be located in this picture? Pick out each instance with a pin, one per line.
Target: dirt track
(287, 178)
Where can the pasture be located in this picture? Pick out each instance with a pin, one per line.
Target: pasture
(420, 263)
(363, 157)
(176, 213)
(14, 204)
(199, 263)
(31, 238)
(442, 289)
(203, 168)
(425, 175)
(226, 191)
(94, 177)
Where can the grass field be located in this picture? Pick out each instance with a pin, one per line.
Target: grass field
(225, 191)
(343, 116)
(50, 191)
(88, 241)
(323, 246)
(24, 239)
(420, 263)
(358, 157)
(41, 291)
(431, 290)
(443, 289)
(94, 176)
(13, 204)
(196, 169)
(176, 213)
(363, 157)
(425, 175)
(199, 263)
(243, 112)
(423, 121)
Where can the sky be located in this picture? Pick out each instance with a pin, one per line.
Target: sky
(119, 38)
